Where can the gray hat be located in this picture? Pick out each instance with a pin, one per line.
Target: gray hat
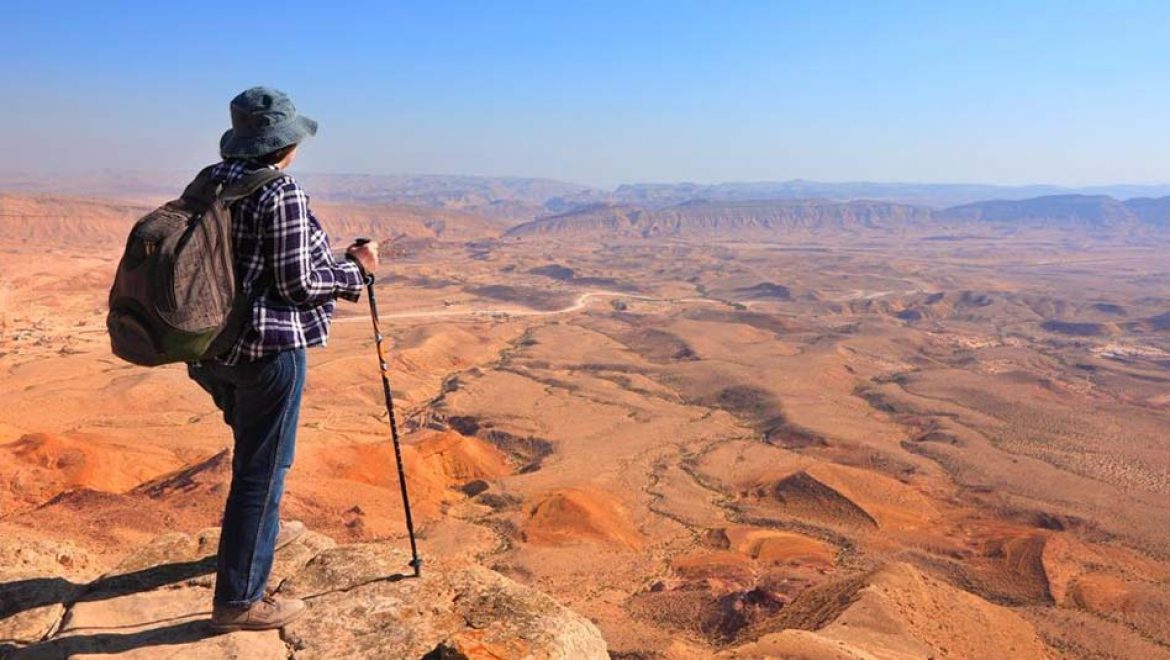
(263, 120)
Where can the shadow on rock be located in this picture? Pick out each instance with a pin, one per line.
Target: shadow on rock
(110, 642)
(20, 595)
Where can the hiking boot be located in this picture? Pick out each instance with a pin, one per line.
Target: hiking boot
(265, 614)
(288, 532)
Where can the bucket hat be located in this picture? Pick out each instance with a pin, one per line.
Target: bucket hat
(263, 120)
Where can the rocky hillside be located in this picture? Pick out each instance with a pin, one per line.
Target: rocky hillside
(747, 219)
(50, 220)
(773, 218)
(504, 198)
(894, 612)
(1082, 211)
(1065, 211)
(933, 195)
(156, 603)
(56, 219)
(29, 219)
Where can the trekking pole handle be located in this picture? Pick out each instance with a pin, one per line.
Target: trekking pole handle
(360, 241)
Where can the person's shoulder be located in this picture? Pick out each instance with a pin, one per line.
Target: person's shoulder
(282, 186)
(284, 197)
(229, 170)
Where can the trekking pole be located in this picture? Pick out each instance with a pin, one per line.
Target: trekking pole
(415, 561)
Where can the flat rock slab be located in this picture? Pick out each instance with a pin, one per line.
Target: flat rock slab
(32, 605)
(191, 640)
(170, 622)
(138, 610)
(37, 578)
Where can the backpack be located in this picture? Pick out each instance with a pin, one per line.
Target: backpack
(175, 296)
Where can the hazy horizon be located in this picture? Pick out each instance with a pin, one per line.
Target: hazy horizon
(1042, 94)
(41, 176)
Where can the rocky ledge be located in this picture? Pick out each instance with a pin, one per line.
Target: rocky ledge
(156, 603)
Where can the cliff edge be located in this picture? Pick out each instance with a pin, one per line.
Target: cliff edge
(156, 602)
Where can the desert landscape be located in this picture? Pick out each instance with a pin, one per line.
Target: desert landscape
(714, 423)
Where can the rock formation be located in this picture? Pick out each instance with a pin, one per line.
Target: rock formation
(361, 605)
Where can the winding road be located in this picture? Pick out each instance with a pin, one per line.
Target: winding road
(581, 302)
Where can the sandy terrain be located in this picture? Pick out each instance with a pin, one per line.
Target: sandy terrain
(902, 449)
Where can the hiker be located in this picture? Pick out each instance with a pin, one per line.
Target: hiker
(284, 266)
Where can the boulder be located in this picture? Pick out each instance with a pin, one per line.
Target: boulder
(361, 606)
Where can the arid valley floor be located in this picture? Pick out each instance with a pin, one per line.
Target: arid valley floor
(823, 444)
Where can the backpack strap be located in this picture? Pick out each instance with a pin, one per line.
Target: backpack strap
(203, 189)
(249, 184)
(241, 189)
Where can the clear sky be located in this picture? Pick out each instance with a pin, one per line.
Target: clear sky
(1070, 92)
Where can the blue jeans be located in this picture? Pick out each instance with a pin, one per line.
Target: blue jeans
(261, 401)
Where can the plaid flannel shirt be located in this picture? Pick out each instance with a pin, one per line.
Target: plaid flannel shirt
(283, 261)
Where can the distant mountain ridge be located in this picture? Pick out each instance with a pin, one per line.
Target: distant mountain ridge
(762, 218)
(1086, 211)
(738, 218)
(516, 199)
(507, 199)
(58, 219)
(464, 208)
(934, 195)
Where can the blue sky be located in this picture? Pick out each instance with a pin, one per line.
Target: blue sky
(602, 93)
